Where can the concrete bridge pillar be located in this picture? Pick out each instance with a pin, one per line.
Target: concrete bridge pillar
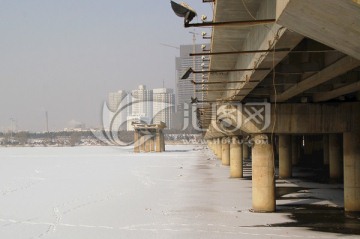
(245, 151)
(158, 141)
(351, 171)
(236, 160)
(214, 147)
(326, 148)
(147, 143)
(209, 144)
(136, 142)
(142, 143)
(335, 150)
(219, 148)
(263, 177)
(225, 154)
(152, 144)
(162, 137)
(285, 156)
(295, 150)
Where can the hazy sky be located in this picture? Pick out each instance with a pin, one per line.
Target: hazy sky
(65, 56)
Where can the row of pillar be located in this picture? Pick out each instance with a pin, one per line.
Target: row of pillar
(232, 152)
(289, 154)
(145, 142)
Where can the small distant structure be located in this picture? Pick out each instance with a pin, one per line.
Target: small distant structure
(149, 137)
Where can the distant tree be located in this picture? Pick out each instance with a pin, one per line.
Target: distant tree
(22, 137)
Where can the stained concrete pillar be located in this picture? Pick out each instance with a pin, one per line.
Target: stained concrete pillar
(351, 143)
(213, 147)
(219, 148)
(225, 151)
(245, 151)
(136, 142)
(158, 141)
(142, 143)
(295, 150)
(152, 144)
(209, 144)
(147, 143)
(236, 160)
(335, 155)
(162, 141)
(285, 156)
(263, 175)
(326, 148)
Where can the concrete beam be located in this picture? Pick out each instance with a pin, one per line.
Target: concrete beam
(324, 96)
(310, 119)
(289, 118)
(335, 23)
(340, 67)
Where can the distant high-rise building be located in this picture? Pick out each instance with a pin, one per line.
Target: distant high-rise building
(141, 105)
(184, 88)
(117, 104)
(163, 106)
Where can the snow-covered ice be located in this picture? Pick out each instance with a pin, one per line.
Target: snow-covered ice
(108, 192)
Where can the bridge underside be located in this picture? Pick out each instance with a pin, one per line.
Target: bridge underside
(304, 66)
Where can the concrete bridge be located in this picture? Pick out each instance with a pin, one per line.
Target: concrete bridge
(284, 76)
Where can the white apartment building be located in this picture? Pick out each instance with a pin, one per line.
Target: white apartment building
(163, 106)
(117, 104)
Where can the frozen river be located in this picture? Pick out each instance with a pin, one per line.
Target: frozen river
(107, 192)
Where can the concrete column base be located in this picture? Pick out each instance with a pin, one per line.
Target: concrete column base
(263, 175)
(326, 149)
(158, 141)
(142, 143)
(219, 148)
(285, 157)
(335, 156)
(136, 142)
(351, 171)
(295, 150)
(147, 143)
(236, 161)
(225, 154)
(245, 151)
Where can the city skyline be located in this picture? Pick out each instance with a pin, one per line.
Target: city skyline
(63, 57)
(150, 106)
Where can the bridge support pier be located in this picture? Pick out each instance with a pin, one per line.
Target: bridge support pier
(162, 138)
(147, 143)
(158, 141)
(136, 142)
(236, 160)
(225, 154)
(285, 156)
(326, 148)
(142, 143)
(245, 150)
(351, 171)
(263, 180)
(216, 147)
(152, 144)
(335, 146)
(295, 149)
